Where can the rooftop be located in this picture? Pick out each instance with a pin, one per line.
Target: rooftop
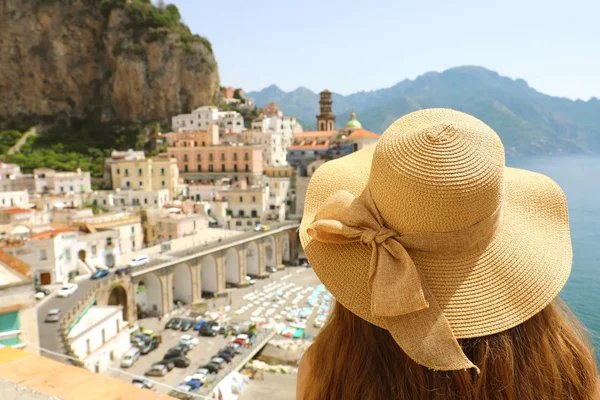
(16, 210)
(363, 134)
(310, 134)
(15, 266)
(25, 376)
(50, 234)
(92, 317)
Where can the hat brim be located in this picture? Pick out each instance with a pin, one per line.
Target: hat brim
(518, 274)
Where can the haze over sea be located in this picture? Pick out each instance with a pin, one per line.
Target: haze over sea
(579, 176)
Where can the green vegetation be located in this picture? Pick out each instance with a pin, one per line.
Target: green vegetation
(8, 139)
(150, 23)
(80, 145)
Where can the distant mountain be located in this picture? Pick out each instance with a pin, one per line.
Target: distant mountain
(528, 121)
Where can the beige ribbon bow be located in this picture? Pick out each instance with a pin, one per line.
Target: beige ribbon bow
(398, 293)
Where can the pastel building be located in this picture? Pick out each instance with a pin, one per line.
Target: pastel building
(246, 205)
(129, 198)
(49, 180)
(117, 156)
(18, 198)
(146, 175)
(8, 173)
(174, 226)
(128, 226)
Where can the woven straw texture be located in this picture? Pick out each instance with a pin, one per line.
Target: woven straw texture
(440, 171)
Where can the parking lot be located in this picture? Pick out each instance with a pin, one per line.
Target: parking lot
(276, 297)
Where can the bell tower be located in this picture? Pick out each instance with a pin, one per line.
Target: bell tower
(326, 119)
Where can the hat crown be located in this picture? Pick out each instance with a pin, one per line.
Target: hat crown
(437, 170)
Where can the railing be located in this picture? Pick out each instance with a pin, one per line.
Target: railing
(262, 338)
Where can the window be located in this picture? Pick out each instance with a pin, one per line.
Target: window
(88, 347)
(145, 200)
(222, 156)
(249, 223)
(126, 172)
(139, 172)
(162, 172)
(133, 229)
(241, 199)
(246, 156)
(61, 189)
(222, 167)
(133, 244)
(162, 183)
(238, 223)
(185, 168)
(254, 199)
(198, 157)
(234, 156)
(241, 213)
(43, 255)
(118, 171)
(141, 184)
(185, 157)
(247, 169)
(254, 214)
(103, 336)
(210, 156)
(68, 254)
(210, 168)
(94, 250)
(235, 168)
(199, 168)
(108, 242)
(203, 144)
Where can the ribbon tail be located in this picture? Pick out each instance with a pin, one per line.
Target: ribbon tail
(395, 283)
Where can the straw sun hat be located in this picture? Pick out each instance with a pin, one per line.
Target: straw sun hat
(428, 235)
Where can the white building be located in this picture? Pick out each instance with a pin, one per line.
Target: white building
(128, 226)
(49, 180)
(200, 118)
(100, 338)
(8, 173)
(277, 201)
(54, 255)
(129, 198)
(278, 134)
(14, 199)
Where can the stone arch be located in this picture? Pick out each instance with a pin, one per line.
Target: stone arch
(209, 275)
(118, 296)
(252, 259)
(232, 266)
(149, 294)
(182, 284)
(270, 252)
(286, 251)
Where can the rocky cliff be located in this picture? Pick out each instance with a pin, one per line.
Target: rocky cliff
(110, 61)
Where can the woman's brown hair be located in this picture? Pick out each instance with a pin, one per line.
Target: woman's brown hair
(547, 357)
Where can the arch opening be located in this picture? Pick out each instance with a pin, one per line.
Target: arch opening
(118, 296)
(182, 284)
(285, 249)
(209, 276)
(252, 267)
(232, 267)
(148, 296)
(270, 253)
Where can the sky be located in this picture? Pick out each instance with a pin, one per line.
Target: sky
(349, 46)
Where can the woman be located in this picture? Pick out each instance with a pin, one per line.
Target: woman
(446, 266)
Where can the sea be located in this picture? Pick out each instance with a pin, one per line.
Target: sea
(579, 177)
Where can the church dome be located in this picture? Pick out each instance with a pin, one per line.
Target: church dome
(353, 123)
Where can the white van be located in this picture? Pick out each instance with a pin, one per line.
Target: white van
(138, 261)
(130, 357)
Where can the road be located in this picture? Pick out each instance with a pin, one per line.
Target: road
(49, 331)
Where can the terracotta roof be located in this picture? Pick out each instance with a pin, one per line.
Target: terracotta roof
(363, 134)
(57, 380)
(15, 264)
(16, 210)
(49, 234)
(315, 133)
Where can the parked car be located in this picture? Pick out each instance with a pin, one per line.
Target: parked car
(181, 362)
(271, 269)
(206, 330)
(146, 343)
(225, 356)
(41, 292)
(138, 261)
(265, 228)
(157, 370)
(212, 367)
(130, 357)
(234, 347)
(219, 361)
(166, 363)
(214, 325)
(201, 374)
(249, 280)
(67, 290)
(189, 341)
(258, 228)
(101, 273)
(242, 339)
(174, 323)
(122, 271)
(143, 383)
(172, 353)
(53, 315)
(195, 384)
(186, 324)
(185, 348)
(199, 324)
